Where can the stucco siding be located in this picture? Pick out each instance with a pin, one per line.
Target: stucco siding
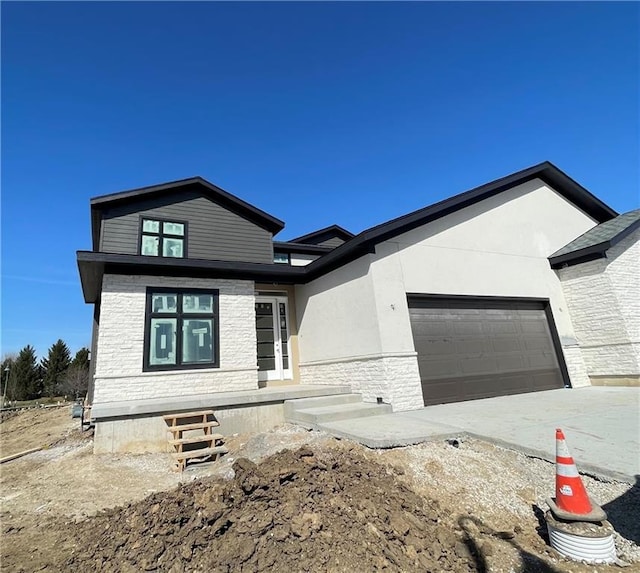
(337, 315)
(498, 247)
(604, 300)
(119, 374)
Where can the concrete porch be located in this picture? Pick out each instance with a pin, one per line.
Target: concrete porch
(137, 426)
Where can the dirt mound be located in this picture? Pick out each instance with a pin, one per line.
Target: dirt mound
(295, 511)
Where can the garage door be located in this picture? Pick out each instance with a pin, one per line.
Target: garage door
(479, 348)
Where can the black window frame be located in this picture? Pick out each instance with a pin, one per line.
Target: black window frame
(288, 255)
(180, 315)
(161, 234)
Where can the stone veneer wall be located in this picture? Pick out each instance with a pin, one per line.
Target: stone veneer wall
(119, 374)
(603, 297)
(395, 379)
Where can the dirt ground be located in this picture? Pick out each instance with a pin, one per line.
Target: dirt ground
(284, 500)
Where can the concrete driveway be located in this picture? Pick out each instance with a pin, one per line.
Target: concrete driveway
(601, 424)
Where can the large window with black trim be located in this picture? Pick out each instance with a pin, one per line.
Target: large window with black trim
(181, 329)
(160, 238)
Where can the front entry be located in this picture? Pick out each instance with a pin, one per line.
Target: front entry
(272, 332)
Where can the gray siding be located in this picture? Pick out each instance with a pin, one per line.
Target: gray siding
(333, 242)
(213, 232)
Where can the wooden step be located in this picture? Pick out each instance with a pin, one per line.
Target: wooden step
(196, 426)
(196, 439)
(204, 452)
(199, 414)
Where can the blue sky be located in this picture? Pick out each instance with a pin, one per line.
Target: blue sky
(318, 113)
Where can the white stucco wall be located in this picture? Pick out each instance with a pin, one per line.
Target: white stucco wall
(119, 374)
(604, 301)
(498, 247)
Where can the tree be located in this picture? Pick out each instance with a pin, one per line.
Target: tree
(25, 380)
(81, 358)
(54, 366)
(75, 381)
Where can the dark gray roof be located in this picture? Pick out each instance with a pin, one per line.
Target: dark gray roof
(323, 235)
(93, 265)
(595, 242)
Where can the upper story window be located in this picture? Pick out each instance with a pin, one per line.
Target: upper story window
(281, 258)
(163, 238)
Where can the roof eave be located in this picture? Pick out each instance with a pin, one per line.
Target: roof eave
(93, 266)
(330, 231)
(215, 193)
(289, 247)
(590, 253)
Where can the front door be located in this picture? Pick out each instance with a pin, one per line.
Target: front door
(272, 331)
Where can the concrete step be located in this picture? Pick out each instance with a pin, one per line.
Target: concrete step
(291, 406)
(313, 417)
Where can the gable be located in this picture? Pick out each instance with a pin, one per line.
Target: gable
(581, 199)
(531, 220)
(332, 236)
(213, 231)
(195, 184)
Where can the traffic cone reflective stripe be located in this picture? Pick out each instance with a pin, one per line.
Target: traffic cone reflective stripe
(571, 501)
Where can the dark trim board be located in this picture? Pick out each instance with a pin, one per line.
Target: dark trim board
(93, 267)
(547, 172)
(324, 234)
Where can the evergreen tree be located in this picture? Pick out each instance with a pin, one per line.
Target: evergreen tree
(54, 367)
(81, 359)
(27, 384)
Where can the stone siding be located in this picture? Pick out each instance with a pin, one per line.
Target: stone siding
(395, 379)
(119, 374)
(603, 297)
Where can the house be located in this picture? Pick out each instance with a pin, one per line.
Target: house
(196, 304)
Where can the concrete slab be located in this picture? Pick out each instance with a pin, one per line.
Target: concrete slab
(212, 401)
(389, 430)
(601, 424)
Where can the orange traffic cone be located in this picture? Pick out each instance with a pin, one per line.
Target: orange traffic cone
(571, 502)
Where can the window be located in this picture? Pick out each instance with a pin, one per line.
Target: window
(162, 238)
(181, 329)
(281, 258)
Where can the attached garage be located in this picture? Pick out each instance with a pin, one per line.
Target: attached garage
(470, 348)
